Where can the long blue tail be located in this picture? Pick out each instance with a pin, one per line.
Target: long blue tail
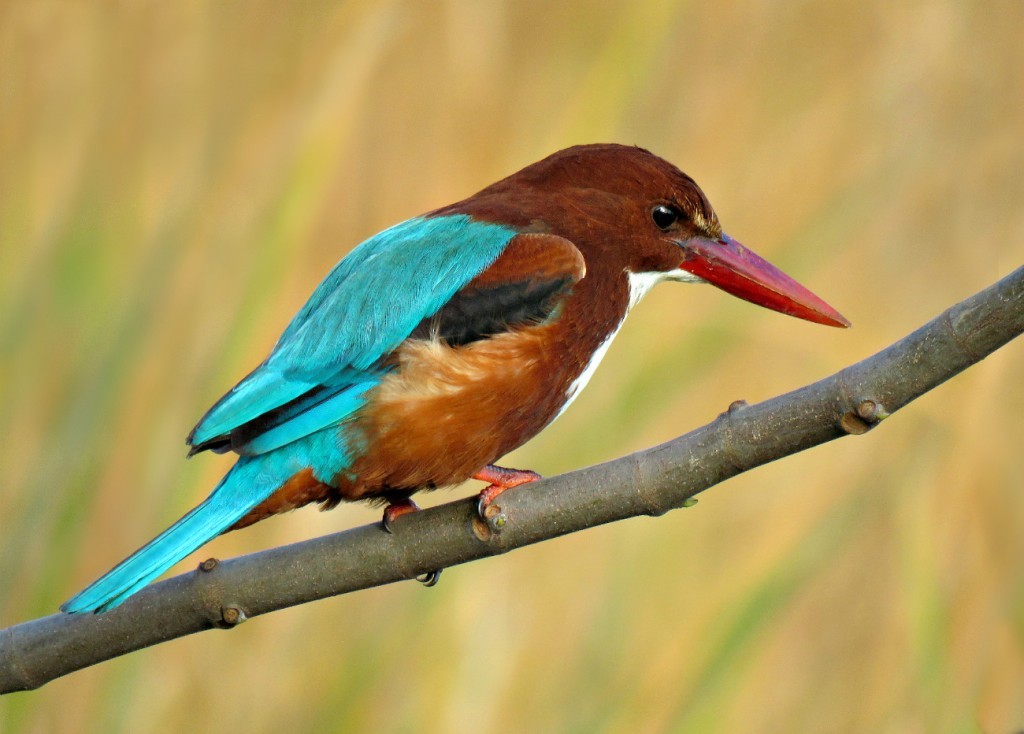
(249, 482)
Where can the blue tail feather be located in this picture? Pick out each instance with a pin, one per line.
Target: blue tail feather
(248, 483)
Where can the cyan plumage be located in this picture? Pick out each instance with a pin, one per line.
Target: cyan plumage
(439, 345)
(361, 311)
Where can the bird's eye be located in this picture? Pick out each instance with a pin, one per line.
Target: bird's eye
(665, 216)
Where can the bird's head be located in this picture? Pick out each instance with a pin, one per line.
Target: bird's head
(630, 207)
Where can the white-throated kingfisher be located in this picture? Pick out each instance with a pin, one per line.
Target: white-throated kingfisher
(443, 343)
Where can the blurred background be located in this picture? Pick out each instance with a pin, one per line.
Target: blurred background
(175, 178)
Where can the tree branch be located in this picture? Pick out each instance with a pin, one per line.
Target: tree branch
(651, 482)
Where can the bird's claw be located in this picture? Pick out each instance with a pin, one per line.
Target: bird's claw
(500, 479)
(396, 510)
(430, 578)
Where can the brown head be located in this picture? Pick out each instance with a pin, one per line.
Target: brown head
(630, 211)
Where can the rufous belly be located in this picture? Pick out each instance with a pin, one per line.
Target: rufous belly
(447, 412)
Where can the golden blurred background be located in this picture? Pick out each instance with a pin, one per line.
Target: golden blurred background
(175, 178)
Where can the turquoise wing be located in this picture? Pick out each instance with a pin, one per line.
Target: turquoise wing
(330, 354)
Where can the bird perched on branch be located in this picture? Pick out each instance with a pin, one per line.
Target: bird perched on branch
(441, 344)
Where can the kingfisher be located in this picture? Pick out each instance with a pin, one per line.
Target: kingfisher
(441, 344)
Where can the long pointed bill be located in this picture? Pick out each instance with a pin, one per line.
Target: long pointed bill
(728, 265)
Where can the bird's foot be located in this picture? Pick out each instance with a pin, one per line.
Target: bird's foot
(430, 578)
(500, 479)
(395, 510)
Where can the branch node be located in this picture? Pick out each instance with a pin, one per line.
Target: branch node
(231, 616)
(853, 424)
(726, 436)
(872, 411)
(481, 530)
(869, 414)
(496, 518)
(209, 592)
(736, 405)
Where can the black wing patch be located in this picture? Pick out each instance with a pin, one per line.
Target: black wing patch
(242, 434)
(478, 313)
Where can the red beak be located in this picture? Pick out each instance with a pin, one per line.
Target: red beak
(726, 264)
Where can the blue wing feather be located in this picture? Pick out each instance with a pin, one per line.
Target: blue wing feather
(310, 419)
(262, 391)
(377, 295)
(366, 306)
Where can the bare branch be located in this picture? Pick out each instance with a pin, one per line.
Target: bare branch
(651, 482)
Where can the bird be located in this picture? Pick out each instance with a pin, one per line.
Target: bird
(441, 344)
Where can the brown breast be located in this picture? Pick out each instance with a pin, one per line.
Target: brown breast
(446, 412)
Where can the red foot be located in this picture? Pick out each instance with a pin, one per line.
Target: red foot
(395, 510)
(500, 479)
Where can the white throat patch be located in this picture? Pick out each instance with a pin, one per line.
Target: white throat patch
(639, 285)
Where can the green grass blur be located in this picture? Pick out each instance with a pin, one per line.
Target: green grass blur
(175, 178)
